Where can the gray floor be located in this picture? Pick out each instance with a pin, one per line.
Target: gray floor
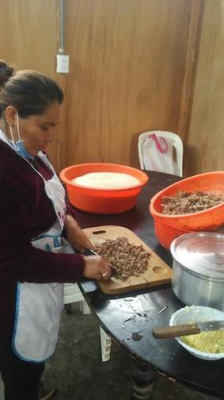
(78, 373)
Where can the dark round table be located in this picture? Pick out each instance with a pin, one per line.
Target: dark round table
(140, 311)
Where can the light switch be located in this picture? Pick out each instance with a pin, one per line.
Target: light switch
(62, 64)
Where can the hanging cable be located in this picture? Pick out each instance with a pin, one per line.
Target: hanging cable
(61, 49)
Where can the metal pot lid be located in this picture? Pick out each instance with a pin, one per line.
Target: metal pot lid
(202, 253)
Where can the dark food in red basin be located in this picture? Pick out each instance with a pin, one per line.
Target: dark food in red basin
(189, 203)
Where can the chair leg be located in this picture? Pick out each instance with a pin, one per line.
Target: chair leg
(85, 308)
(105, 341)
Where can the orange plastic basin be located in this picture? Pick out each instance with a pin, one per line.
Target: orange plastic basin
(165, 234)
(102, 201)
(168, 227)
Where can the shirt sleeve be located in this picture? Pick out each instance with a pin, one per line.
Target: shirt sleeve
(19, 260)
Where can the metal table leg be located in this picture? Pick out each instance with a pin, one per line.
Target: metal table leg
(142, 382)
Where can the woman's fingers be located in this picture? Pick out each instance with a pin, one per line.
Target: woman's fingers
(106, 272)
(96, 268)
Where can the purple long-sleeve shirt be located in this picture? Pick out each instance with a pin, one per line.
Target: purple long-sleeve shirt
(26, 212)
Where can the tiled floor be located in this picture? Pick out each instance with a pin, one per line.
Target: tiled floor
(78, 373)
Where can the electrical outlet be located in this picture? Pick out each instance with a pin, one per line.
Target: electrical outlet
(62, 64)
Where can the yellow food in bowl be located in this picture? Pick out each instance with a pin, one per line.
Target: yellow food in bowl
(207, 342)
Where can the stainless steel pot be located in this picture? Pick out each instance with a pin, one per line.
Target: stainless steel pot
(198, 269)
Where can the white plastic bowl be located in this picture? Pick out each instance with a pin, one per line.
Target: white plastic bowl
(196, 314)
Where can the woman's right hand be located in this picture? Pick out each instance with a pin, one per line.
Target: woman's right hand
(96, 268)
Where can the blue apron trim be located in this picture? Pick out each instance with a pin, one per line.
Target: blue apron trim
(16, 317)
(56, 237)
(47, 247)
(15, 329)
(56, 241)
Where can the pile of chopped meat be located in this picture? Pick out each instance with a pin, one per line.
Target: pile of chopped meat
(189, 203)
(126, 258)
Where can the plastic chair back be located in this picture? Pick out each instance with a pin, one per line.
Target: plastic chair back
(172, 138)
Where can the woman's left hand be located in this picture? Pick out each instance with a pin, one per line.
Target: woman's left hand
(75, 235)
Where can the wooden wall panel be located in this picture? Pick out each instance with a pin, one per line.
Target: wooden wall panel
(131, 69)
(206, 137)
(128, 74)
(28, 40)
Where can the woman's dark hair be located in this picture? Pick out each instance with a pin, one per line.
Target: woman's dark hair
(30, 92)
(6, 71)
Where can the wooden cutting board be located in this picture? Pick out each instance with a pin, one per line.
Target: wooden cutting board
(158, 272)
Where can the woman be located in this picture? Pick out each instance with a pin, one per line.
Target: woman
(34, 219)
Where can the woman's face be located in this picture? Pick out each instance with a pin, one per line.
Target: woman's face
(38, 131)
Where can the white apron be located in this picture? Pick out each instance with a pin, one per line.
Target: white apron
(38, 306)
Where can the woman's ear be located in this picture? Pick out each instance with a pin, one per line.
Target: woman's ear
(10, 116)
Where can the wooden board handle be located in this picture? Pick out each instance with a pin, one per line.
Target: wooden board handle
(167, 332)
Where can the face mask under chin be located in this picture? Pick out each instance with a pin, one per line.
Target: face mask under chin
(19, 145)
